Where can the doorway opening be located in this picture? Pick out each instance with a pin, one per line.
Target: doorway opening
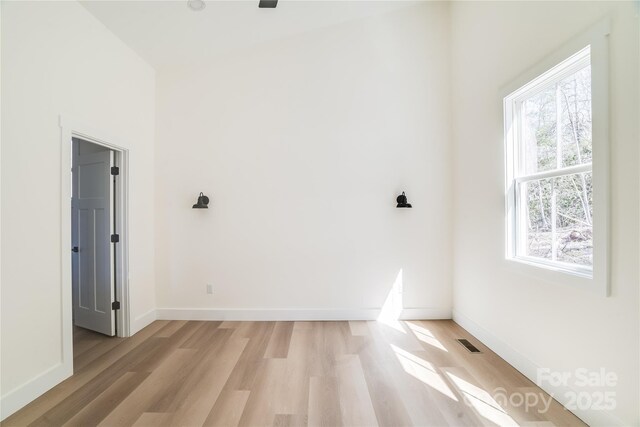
(94, 236)
(115, 273)
(98, 236)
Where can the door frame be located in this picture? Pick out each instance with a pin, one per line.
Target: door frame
(74, 129)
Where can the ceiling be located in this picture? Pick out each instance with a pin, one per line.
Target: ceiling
(167, 33)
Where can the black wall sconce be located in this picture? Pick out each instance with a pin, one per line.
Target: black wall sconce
(402, 201)
(202, 203)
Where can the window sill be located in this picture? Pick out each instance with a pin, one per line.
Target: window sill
(585, 273)
(555, 274)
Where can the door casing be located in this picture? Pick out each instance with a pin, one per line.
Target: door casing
(74, 129)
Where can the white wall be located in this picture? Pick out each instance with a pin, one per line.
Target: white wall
(530, 322)
(303, 145)
(57, 59)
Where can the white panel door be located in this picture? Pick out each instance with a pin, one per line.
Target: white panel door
(93, 252)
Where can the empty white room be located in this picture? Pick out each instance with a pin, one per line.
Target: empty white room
(320, 213)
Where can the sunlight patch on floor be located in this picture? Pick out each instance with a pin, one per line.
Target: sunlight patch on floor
(426, 336)
(423, 371)
(482, 402)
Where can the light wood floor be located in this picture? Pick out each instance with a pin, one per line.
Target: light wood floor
(179, 373)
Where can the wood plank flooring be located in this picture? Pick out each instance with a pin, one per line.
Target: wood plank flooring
(187, 373)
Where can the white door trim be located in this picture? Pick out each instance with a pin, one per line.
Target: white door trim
(71, 128)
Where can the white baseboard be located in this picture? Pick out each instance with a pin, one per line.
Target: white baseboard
(425, 314)
(294, 314)
(530, 370)
(20, 396)
(143, 321)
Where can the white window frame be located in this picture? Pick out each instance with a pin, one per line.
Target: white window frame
(591, 48)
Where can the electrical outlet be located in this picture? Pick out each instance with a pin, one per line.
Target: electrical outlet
(210, 289)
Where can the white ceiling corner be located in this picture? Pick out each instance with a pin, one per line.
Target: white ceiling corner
(167, 32)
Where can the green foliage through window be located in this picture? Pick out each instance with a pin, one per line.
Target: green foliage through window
(556, 134)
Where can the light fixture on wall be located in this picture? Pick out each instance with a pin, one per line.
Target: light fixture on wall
(402, 201)
(203, 202)
(196, 5)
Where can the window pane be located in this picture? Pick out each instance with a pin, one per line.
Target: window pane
(539, 132)
(549, 122)
(574, 219)
(575, 95)
(559, 219)
(538, 216)
(562, 110)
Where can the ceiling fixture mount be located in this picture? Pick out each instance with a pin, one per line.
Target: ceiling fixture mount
(196, 5)
(268, 4)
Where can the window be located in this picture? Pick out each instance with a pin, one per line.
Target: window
(549, 139)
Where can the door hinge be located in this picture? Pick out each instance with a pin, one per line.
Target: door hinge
(115, 170)
(115, 305)
(115, 238)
